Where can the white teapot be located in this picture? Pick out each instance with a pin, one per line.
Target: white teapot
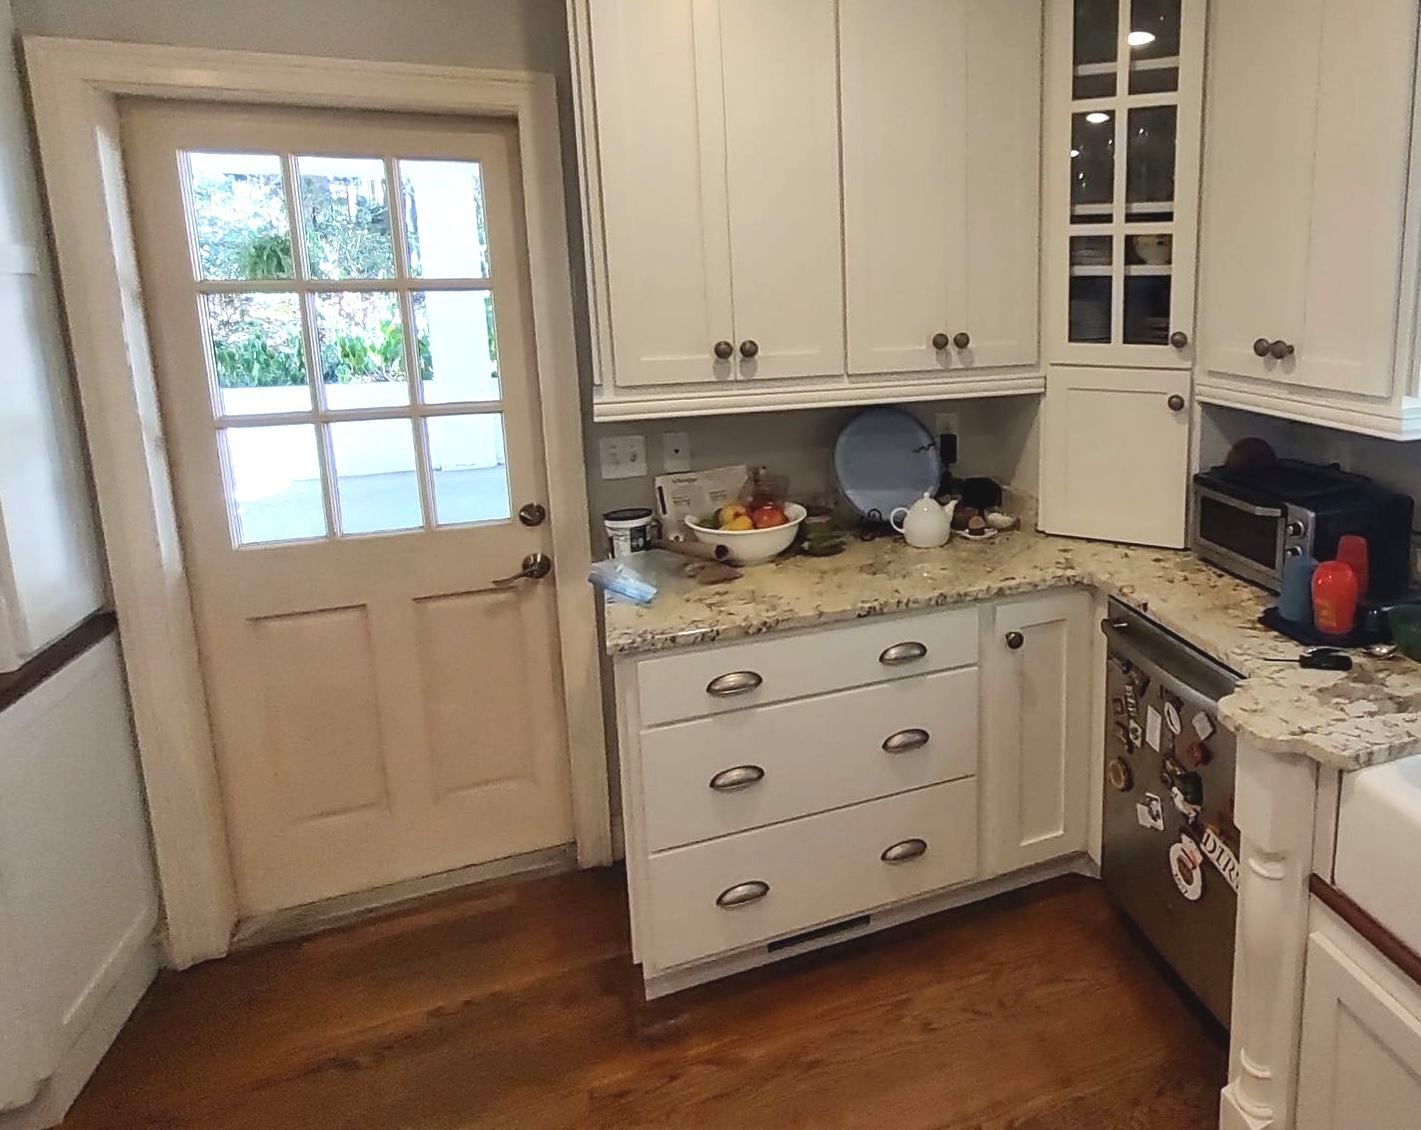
(925, 525)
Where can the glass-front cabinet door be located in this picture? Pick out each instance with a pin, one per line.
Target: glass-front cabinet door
(1124, 86)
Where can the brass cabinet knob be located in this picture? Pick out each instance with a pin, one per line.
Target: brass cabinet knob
(1261, 347)
(723, 350)
(749, 347)
(941, 341)
(1179, 339)
(1176, 403)
(962, 340)
(1279, 350)
(1015, 640)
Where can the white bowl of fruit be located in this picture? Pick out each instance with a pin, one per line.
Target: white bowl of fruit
(752, 534)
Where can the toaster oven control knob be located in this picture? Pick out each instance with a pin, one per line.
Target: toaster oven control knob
(1294, 529)
(1292, 551)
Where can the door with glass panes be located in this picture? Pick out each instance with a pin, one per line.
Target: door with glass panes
(340, 312)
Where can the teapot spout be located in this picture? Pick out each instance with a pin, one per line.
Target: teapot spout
(949, 508)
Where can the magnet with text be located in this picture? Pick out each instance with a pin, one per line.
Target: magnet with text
(1220, 855)
(1186, 868)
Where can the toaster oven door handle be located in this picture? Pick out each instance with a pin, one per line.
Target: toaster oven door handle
(1239, 504)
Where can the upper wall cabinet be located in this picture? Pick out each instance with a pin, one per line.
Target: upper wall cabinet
(1309, 280)
(1124, 85)
(719, 195)
(942, 127)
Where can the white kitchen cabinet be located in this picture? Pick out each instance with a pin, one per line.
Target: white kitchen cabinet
(716, 132)
(942, 136)
(1124, 88)
(50, 573)
(1309, 281)
(1035, 763)
(1360, 1064)
(1115, 454)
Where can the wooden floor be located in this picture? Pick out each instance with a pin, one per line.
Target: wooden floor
(516, 1005)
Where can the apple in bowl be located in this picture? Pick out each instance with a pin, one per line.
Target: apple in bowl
(752, 535)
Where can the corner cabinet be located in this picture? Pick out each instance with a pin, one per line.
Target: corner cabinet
(1124, 88)
(1309, 284)
(1035, 777)
(807, 202)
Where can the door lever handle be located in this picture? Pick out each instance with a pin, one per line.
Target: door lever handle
(536, 566)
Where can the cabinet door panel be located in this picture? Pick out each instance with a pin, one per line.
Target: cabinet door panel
(1114, 455)
(781, 92)
(1035, 772)
(661, 143)
(1000, 230)
(1360, 1066)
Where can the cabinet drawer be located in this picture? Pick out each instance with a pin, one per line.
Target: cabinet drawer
(803, 873)
(712, 680)
(747, 768)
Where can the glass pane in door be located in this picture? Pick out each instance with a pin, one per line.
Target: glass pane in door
(257, 354)
(1091, 288)
(360, 341)
(376, 481)
(446, 231)
(239, 216)
(470, 468)
(345, 206)
(274, 483)
(1153, 43)
(1094, 53)
(458, 348)
(1149, 164)
(1148, 278)
(1092, 166)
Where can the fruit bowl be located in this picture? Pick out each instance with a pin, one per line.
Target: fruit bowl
(750, 547)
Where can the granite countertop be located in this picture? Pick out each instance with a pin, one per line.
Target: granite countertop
(1345, 720)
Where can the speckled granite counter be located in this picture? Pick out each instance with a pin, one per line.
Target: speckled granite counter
(1344, 720)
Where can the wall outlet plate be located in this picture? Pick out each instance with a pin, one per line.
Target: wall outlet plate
(622, 457)
(675, 452)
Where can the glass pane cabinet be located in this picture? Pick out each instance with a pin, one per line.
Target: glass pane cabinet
(1121, 180)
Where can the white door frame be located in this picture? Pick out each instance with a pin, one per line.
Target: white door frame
(75, 85)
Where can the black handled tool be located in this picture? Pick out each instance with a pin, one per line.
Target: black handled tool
(1316, 659)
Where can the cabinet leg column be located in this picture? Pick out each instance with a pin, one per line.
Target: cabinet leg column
(1274, 805)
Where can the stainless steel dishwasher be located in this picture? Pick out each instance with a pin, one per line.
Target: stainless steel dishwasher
(1169, 855)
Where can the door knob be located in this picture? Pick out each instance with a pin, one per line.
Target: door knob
(1279, 350)
(1179, 339)
(749, 347)
(1015, 640)
(941, 341)
(536, 566)
(1261, 347)
(532, 513)
(961, 340)
(1176, 403)
(723, 350)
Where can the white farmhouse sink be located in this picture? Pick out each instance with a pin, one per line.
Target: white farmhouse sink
(1379, 845)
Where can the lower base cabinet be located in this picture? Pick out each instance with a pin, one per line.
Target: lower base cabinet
(778, 792)
(1360, 1067)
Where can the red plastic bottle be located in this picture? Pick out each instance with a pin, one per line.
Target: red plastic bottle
(1334, 598)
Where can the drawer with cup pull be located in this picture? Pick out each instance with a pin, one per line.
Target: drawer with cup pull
(711, 680)
(726, 894)
(730, 772)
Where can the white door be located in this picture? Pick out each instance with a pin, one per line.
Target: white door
(1115, 454)
(660, 135)
(382, 709)
(1304, 210)
(1035, 767)
(941, 124)
(781, 92)
(1360, 1063)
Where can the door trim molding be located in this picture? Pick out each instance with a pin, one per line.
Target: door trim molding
(75, 86)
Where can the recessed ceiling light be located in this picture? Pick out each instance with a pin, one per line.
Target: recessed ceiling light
(1140, 38)
(1097, 117)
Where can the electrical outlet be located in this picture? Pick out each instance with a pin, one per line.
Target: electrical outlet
(623, 457)
(675, 452)
(945, 422)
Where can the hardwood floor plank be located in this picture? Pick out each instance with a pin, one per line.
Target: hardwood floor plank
(516, 1005)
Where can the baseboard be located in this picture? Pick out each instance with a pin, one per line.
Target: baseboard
(57, 1094)
(663, 983)
(313, 917)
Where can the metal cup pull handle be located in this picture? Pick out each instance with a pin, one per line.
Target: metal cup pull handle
(733, 683)
(905, 740)
(905, 652)
(742, 894)
(904, 850)
(737, 777)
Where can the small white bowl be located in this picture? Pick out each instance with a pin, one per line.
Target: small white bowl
(750, 547)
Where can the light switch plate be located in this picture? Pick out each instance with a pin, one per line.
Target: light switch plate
(623, 457)
(675, 452)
